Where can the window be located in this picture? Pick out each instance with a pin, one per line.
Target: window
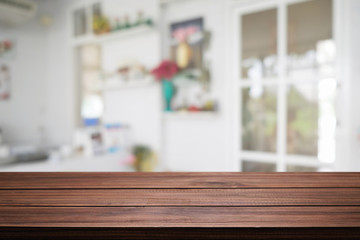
(287, 87)
(91, 101)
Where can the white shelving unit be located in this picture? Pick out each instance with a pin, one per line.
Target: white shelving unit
(113, 36)
(129, 85)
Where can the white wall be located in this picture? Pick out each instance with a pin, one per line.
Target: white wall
(60, 88)
(354, 96)
(348, 131)
(40, 110)
(22, 116)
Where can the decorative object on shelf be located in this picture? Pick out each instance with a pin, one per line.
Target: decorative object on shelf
(164, 73)
(127, 22)
(131, 69)
(129, 72)
(7, 48)
(187, 43)
(191, 96)
(124, 23)
(149, 22)
(142, 21)
(168, 91)
(166, 70)
(117, 137)
(210, 105)
(82, 143)
(145, 159)
(97, 143)
(80, 22)
(101, 25)
(118, 26)
(4, 82)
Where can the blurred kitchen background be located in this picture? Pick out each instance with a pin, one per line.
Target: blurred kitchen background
(180, 85)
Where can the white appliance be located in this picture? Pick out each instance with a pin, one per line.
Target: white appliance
(14, 12)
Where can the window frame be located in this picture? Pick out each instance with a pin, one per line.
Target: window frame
(281, 158)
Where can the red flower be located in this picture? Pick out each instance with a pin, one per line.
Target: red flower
(167, 69)
(7, 44)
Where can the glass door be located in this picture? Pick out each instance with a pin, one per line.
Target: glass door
(287, 87)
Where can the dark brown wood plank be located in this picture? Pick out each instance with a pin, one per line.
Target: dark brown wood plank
(182, 197)
(179, 233)
(339, 216)
(177, 180)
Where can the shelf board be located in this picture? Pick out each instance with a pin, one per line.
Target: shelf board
(190, 115)
(113, 36)
(130, 85)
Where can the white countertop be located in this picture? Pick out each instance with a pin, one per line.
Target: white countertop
(103, 163)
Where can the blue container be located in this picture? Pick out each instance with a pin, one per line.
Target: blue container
(89, 122)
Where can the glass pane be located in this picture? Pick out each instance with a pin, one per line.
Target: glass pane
(302, 119)
(91, 102)
(259, 44)
(92, 108)
(90, 56)
(311, 49)
(259, 118)
(91, 81)
(297, 168)
(311, 119)
(250, 166)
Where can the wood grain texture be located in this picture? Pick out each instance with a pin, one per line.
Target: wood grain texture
(180, 205)
(177, 180)
(208, 217)
(182, 197)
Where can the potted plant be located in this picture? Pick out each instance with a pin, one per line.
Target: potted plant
(142, 159)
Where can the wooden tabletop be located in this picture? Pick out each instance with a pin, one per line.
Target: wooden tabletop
(153, 201)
